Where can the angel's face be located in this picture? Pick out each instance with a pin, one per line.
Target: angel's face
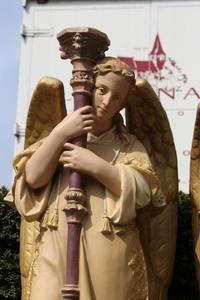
(109, 95)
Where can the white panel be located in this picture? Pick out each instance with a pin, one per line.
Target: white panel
(118, 21)
(132, 27)
(124, 23)
(182, 123)
(40, 54)
(178, 23)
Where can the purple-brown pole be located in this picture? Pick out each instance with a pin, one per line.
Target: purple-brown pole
(83, 46)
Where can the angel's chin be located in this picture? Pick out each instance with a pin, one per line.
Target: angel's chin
(99, 115)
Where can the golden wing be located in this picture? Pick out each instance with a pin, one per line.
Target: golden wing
(195, 191)
(46, 110)
(147, 120)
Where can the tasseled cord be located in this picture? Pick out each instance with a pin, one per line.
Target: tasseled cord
(44, 221)
(53, 219)
(105, 226)
(105, 223)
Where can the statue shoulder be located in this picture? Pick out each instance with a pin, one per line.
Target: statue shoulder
(135, 145)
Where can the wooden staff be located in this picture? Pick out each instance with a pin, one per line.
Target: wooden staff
(83, 46)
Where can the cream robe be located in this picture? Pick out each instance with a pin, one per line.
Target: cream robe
(112, 265)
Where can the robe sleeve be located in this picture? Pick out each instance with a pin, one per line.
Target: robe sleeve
(135, 193)
(139, 187)
(30, 203)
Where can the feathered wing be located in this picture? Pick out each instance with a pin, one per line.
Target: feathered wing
(147, 120)
(195, 191)
(47, 108)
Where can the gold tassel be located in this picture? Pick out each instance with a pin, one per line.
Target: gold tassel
(45, 219)
(105, 226)
(53, 219)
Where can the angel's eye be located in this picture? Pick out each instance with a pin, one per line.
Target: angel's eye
(101, 90)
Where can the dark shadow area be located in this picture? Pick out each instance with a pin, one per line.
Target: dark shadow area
(184, 283)
(10, 288)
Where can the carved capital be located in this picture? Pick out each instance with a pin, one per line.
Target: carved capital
(82, 42)
(83, 46)
(75, 209)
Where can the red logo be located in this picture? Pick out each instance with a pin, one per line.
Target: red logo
(161, 71)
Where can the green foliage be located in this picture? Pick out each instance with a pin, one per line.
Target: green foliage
(9, 249)
(184, 284)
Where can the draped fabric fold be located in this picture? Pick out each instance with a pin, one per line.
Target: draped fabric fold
(110, 243)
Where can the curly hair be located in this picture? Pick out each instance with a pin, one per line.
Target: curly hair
(110, 64)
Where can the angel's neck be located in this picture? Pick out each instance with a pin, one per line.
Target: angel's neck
(100, 127)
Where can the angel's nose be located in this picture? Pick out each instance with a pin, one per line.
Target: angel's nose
(107, 99)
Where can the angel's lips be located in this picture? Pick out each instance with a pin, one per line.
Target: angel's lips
(102, 109)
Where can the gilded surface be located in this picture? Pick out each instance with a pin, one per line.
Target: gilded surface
(47, 109)
(195, 191)
(147, 119)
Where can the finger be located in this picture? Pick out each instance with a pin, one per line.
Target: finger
(86, 109)
(88, 129)
(88, 117)
(88, 123)
(69, 146)
(68, 165)
(67, 154)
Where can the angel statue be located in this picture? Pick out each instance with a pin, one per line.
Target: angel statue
(195, 192)
(128, 236)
